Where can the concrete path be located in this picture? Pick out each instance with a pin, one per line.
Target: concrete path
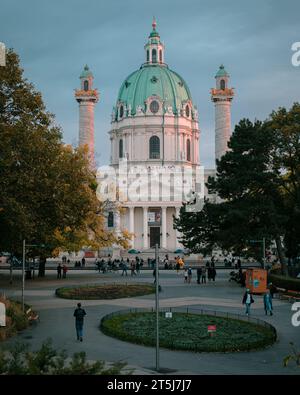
(56, 321)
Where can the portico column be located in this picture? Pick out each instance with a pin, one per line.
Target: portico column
(131, 224)
(164, 226)
(177, 209)
(145, 226)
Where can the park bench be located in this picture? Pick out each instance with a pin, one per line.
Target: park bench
(32, 316)
(289, 295)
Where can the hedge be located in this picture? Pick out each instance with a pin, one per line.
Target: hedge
(288, 283)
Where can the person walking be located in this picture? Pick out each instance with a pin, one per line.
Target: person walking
(199, 273)
(209, 274)
(268, 302)
(247, 300)
(154, 275)
(190, 274)
(79, 314)
(124, 268)
(132, 266)
(59, 268)
(203, 275)
(213, 273)
(185, 275)
(65, 269)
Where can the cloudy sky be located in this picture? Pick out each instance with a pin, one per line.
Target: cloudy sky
(253, 39)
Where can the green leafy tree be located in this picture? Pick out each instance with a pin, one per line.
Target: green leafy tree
(48, 189)
(257, 184)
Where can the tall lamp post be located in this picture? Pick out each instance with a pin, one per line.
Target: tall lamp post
(157, 307)
(23, 275)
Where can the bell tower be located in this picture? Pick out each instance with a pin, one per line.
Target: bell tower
(222, 96)
(87, 97)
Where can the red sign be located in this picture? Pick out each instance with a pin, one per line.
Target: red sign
(211, 328)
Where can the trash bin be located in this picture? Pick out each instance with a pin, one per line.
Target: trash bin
(256, 280)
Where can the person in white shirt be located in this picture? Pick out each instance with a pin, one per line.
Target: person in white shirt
(248, 300)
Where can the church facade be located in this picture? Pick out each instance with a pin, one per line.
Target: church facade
(155, 140)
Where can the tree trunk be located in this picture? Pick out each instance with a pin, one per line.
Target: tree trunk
(42, 265)
(281, 256)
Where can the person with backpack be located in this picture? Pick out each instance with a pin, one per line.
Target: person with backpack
(79, 315)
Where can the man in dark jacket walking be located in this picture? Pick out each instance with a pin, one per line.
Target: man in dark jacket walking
(79, 314)
(59, 269)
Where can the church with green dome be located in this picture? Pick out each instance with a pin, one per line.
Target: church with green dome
(155, 139)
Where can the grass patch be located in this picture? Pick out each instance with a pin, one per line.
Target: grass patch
(106, 291)
(188, 332)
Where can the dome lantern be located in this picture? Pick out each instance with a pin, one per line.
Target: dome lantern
(154, 47)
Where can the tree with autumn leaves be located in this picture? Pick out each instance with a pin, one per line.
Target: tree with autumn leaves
(47, 188)
(258, 185)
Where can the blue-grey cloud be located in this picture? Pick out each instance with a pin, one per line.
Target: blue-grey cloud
(253, 39)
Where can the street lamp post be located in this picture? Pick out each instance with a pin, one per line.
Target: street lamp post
(157, 307)
(23, 275)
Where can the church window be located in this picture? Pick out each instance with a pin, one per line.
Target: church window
(147, 55)
(222, 85)
(160, 56)
(154, 147)
(121, 154)
(154, 106)
(86, 85)
(187, 111)
(188, 150)
(110, 220)
(121, 113)
(154, 56)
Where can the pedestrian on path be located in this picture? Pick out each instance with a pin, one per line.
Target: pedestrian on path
(209, 273)
(133, 272)
(59, 268)
(124, 268)
(79, 314)
(190, 273)
(185, 275)
(268, 302)
(248, 300)
(213, 273)
(203, 275)
(65, 269)
(199, 273)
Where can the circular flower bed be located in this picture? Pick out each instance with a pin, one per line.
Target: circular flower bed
(188, 332)
(105, 291)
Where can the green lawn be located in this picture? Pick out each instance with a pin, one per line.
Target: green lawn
(188, 332)
(106, 291)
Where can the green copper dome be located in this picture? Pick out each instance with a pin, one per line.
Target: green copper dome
(86, 72)
(222, 72)
(151, 80)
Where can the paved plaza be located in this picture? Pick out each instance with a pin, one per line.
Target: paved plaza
(57, 322)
